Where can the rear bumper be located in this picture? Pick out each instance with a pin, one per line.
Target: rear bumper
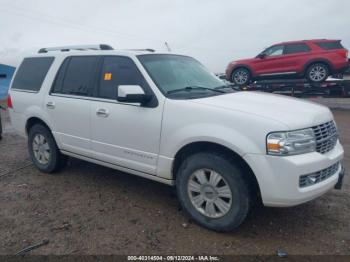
(342, 70)
(278, 177)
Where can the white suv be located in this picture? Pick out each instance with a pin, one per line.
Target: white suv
(165, 117)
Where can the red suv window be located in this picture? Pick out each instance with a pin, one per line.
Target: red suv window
(274, 50)
(296, 48)
(330, 45)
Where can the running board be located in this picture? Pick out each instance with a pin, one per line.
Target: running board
(276, 74)
(120, 168)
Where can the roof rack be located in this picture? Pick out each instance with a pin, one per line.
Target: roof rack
(146, 49)
(76, 47)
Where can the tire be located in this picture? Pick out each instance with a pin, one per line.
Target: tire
(317, 73)
(43, 150)
(213, 164)
(241, 76)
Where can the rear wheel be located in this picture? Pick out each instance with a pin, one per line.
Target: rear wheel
(212, 191)
(317, 73)
(43, 150)
(241, 76)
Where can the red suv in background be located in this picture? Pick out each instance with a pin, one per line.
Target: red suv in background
(311, 59)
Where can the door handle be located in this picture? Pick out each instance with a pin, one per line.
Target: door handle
(102, 112)
(50, 105)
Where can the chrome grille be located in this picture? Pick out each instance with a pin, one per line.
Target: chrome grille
(313, 179)
(326, 137)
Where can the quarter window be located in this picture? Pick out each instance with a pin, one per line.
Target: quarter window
(296, 48)
(31, 73)
(116, 71)
(331, 45)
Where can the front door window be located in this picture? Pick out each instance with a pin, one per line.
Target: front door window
(274, 51)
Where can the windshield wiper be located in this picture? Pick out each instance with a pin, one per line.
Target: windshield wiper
(190, 88)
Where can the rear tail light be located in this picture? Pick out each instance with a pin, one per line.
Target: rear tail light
(9, 102)
(343, 53)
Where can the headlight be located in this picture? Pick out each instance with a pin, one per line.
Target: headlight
(291, 143)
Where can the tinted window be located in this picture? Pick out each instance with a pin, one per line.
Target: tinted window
(31, 73)
(274, 50)
(296, 48)
(330, 45)
(118, 71)
(78, 76)
(57, 86)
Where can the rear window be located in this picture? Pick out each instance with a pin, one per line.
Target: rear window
(31, 73)
(296, 48)
(330, 45)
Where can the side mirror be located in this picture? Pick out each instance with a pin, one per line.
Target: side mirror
(132, 94)
(262, 56)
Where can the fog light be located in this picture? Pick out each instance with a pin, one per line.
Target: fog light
(322, 175)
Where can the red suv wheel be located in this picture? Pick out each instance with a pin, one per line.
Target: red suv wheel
(241, 76)
(317, 73)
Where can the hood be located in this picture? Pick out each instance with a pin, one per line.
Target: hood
(292, 112)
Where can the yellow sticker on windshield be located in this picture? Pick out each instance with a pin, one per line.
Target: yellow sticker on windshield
(108, 76)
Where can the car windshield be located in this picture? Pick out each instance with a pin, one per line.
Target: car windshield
(182, 77)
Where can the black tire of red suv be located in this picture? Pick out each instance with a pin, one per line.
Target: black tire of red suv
(232, 176)
(317, 73)
(56, 161)
(241, 76)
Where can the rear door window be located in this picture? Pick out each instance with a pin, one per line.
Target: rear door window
(296, 48)
(76, 76)
(31, 73)
(330, 45)
(57, 86)
(116, 71)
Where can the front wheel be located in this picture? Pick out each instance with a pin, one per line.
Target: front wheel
(241, 76)
(317, 73)
(212, 190)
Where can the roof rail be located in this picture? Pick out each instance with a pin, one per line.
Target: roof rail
(76, 47)
(146, 49)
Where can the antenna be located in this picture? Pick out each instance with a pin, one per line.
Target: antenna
(167, 46)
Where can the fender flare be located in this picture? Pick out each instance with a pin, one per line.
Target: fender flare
(318, 60)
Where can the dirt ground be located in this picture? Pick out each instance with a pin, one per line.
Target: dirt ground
(89, 209)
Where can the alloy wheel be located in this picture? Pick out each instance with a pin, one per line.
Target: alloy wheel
(209, 193)
(241, 77)
(318, 73)
(41, 149)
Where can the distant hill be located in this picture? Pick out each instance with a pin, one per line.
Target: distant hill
(6, 73)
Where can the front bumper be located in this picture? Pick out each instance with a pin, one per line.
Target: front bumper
(278, 177)
(339, 184)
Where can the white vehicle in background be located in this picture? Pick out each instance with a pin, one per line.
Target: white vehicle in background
(165, 117)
